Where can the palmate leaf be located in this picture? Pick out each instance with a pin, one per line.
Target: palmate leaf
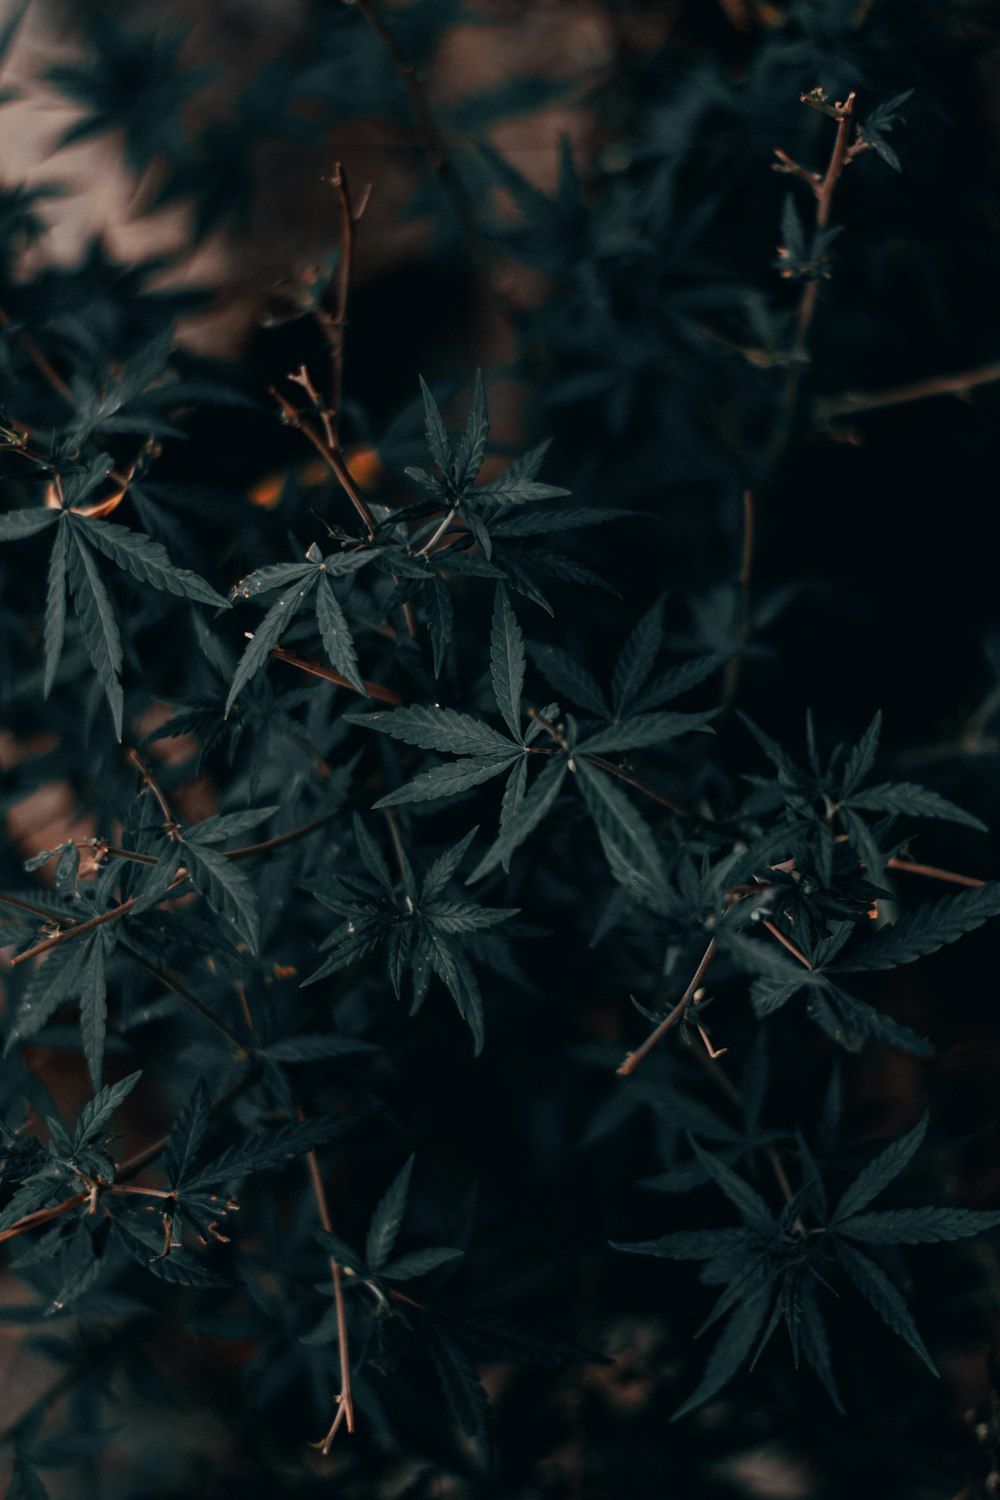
(388, 1217)
(265, 1150)
(226, 889)
(886, 1298)
(268, 634)
(97, 623)
(907, 798)
(146, 560)
(98, 1111)
(524, 819)
(924, 930)
(16, 524)
(507, 662)
(628, 844)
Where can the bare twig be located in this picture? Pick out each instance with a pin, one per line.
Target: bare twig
(170, 822)
(787, 943)
(345, 1404)
(932, 872)
(318, 669)
(958, 384)
(332, 455)
(633, 1059)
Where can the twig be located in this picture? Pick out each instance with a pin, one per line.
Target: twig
(640, 786)
(933, 873)
(284, 838)
(42, 1216)
(428, 127)
(439, 532)
(345, 1404)
(169, 820)
(787, 943)
(332, 455)
(174, 984)
(317, 669)
(39, 360)
(633, 1059)
(334, 324)
(899, 395)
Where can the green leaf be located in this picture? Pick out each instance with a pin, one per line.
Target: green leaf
(628, 844)
(336, 635)
(461, 1384)
(507, 661)
(440, 615)
(570, 679)
(267, 634)
(229, 825)
(917, 1226)
(689, 1244)
(924, 930)
(746, 1200)
(265, 1150)
(437, 432)
(15, 524)
(98, 1111)
(732, 1349)
(226, 889)
(530, 811)
(388, 1217)
(55, 608)
(645, 730)
(436, 729)
(420, 1263)
(187, 1135)
(94, 1001)
(887, 1300)
(637, 658)
(879, 1172)
(446, 781)
(147, 561)
(470, 449)
(443, 869)
(862, 757)
(309, 1047)
(97, 622)
(914, 801)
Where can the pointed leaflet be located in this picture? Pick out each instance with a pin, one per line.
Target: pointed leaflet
(100, 633)
(750, 1205)
(387, 1218)
(187, 1135)
(816, 1344)
(55, 608)
(925, 930)
(879, 1172)
(436, 729)
(570, 679)
(862, 757)
(263, 1150)
(267, 634)
(420, 1262)
(645, 730)
(147, 561)
(886, 1298)
(471, 446)
(628, 844)
(507, 661)
(441, 871)
(440, 616)
(94, 1001)
(336, 635)
(462, 1387)
(446, 781)
(637, 658)
(227, 825)
(911, 800)
(95, 1114)
(523, 820)
(918, 1226)
(729, 1353)
(437, 432)
(226, 890)
(15, 524)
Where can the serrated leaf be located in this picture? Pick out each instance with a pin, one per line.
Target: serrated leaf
(307, 1047)
(917, 1226)
(436, 729)
(440, 615)
(229, 825)
(187, 1135)
(437, 432)
(470, 449)
(388, 1217)
(147, 561)
(507, 661)
(862, 757)
(887, 1300)
(879, 1172)
(446, 781)
(420, 1263)
(267, 634)
(55, 608)
(226, 889)
(436, 880)
(628, 844)
(265, 1150)
(461, 1384)
(335, 634)
(94, 1001)
(15, 524)
(914, 801)
(570, 679)
(530, 811)
(97, 622)
(637, 658)
(98, 1111)
(732, 1349)
(644, 731)
(924, 930)
(746, 1200)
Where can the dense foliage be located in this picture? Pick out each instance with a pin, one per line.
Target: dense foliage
(489, 874)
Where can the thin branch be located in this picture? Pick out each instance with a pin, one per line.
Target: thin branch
(175, 985)
(640, 786)
(633, 1059)
(898, 395)
(317, 669)
(428, 127)
(135, 1164)
(787, 943)
(345, 1404)
(39, 360)
(932, 872)
(170, 821)
(284, 838)
(332, 455)
(42, 1216)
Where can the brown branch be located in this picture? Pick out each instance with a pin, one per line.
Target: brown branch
(177, 987)
(317, 669)
(169, 820)
(428, 127)
(43, 1216)
(39, 360)
(345, 1404)
(640, 786)
(933, 873)
(898, 395)
(334, 323)
(633, 1059)
(284, 838)
(332, 455)
(787, 943)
